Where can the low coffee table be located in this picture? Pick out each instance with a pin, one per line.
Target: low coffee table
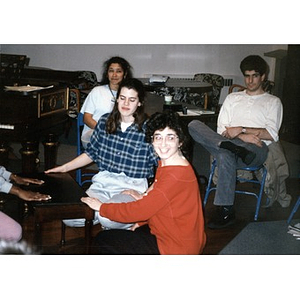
(65, 204)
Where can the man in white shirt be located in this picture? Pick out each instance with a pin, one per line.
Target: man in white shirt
(248, 122)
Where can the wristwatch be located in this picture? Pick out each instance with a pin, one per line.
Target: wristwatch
(243, 130)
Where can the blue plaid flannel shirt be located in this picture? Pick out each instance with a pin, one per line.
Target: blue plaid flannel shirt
(126, 152)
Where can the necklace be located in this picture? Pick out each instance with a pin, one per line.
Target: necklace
(114, 97)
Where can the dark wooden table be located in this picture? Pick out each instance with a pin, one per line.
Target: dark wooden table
(65, 204)
(155, 103)
(183, 90)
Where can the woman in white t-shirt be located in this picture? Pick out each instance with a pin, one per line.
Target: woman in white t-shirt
(102, 98)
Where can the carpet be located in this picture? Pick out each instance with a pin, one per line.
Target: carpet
(269, 238)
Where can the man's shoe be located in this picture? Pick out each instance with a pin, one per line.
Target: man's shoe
(246, 155)
(225, 218)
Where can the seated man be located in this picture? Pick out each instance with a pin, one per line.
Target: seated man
(248, 122)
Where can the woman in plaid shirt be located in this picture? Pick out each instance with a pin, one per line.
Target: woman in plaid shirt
(119, 148)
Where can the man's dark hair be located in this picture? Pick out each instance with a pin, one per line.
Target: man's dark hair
(256, 63)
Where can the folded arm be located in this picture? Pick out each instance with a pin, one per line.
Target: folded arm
(248, 134)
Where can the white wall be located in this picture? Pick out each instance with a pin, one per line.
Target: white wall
(179, 59)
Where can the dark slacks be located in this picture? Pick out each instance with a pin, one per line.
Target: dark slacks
(119, 241)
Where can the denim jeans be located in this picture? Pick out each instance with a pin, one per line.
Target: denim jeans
(227, 162)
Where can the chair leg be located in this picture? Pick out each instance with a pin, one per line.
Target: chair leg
(261, 191)
(294, 211)
(63, 234)
(210, 179)
(78, 176)
(257, 181)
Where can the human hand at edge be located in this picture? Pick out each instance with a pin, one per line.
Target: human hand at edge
(134, 227)
(133, 193)
(25, 181)
(251, 138)
(93, 203)
(232, 132)
(29, 195)
(59, 169)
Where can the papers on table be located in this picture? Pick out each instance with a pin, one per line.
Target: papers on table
(26, 88)
(294, 230)
(197, 112)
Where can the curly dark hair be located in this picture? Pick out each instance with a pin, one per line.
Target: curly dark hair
(256, 63)
(170, 119)
(127, 69)
(139, 115)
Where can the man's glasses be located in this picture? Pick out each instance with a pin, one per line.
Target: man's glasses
(169, 138)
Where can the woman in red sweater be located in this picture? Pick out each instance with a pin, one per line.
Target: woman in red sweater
(168, 217)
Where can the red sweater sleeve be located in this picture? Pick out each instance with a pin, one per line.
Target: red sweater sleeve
(139, 210)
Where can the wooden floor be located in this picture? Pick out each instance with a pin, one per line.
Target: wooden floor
(216, 239)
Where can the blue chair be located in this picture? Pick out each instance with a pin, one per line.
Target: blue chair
(258, 195)
(294, 211)
(81, 177)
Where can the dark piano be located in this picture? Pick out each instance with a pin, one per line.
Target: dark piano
(29, 117)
